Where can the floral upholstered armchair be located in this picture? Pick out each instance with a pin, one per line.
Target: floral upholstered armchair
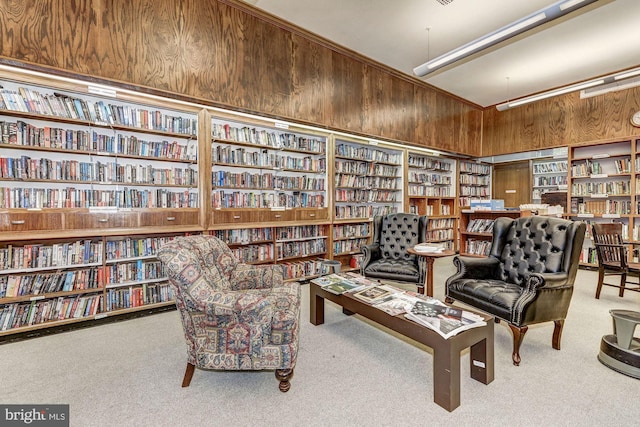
(235, 316)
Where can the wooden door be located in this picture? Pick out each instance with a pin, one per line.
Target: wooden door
(512, 183)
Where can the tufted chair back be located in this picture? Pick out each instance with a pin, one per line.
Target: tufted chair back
(535, 244)
(398, 232)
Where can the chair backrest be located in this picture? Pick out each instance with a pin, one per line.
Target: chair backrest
(605, 234)
(536, 244)
(398, 232)
(197, 262)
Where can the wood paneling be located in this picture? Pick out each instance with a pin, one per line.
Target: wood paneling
(227, 53)
(560, 121)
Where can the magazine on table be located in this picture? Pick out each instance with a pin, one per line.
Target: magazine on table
(337, 283)
(376, 293)
(427, 248)
(398, 303)
(445, 320)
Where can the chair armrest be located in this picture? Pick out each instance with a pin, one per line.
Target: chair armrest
(251, 306)
(474, 268)
(371, 253)
(247, 276)
(547, 280)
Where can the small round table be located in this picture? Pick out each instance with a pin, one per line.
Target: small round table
(430, 257)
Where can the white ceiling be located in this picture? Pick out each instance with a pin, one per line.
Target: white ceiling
(596, 40)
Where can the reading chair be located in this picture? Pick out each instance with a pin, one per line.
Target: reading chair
(387, 256)
(235, 316)
(613, 258)
(528, 276)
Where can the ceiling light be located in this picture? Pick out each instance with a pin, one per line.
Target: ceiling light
(554, 11)
(607, 81)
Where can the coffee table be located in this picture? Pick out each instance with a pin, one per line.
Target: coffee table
(446, 352)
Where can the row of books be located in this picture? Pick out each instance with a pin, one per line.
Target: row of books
(477, 247)
(422, 190)
(542, 181)
(266, 181)
(366, 182)
(348, 231)
(475, 180)
(620, 207)
(244, 236)
(138, 296)
(34, 256)
(367, 153)
(429, 312)
(441, 223)
(139, 270)
(480, 225)
(611, 188)
(15, 285)
(283, 140)
(366, 196)
(134, 247)
(347, 246)
(301, 249)
(268, 199)
(552, 167)
(304, 268)
(443, 234)
(67, 106)
(254, 253)
(363, 211)
(240, 156)
(37, 312)
(429, 179)
(474, 168)
(297, 232)
(430, 164)
(69, 197)
(91, 142)
(26, 168)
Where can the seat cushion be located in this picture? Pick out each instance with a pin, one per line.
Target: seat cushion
(491, 296)
(397, 269)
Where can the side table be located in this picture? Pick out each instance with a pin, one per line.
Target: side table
(430, 257)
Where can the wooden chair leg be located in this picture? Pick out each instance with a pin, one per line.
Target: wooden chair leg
(557, 333)
(448, 300)
(623, 281)
(284, 375)
(518, 336)
(188, 374)
(600, 280)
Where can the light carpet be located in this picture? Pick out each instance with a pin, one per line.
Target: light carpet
(349, 373)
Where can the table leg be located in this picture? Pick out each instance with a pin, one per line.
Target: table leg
(316, 307)
(481, 357)
(429, 278)
(446, 377)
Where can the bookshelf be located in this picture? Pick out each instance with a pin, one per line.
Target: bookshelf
(602, 189)
(476, 230)
(368, 181)
(548, 175)
(431, 188)
(79, 173)
(474, 181)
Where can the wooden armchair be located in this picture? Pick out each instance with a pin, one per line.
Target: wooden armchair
(614, 258)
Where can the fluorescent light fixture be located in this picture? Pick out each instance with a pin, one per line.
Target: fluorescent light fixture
(609, 83)
(554, 11)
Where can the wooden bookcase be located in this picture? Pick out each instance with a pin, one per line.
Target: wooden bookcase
(476, 229)
(548, 175)
(368, 181)
(602, 188)
(431, 191)
(80, 174)
(474, 181)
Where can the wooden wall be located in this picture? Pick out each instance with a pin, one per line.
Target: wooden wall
(226, 53)
(559, 121)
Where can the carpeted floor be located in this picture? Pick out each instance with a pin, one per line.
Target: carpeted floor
(349, 373)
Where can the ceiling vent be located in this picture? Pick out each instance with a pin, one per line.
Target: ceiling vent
(444, 2)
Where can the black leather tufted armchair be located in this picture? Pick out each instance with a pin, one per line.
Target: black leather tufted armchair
(528, 276)
(387, 256)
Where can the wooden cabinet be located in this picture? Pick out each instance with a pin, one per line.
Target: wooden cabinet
(431, 187)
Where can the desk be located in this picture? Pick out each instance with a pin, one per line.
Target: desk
(446, 352)
(430, 257)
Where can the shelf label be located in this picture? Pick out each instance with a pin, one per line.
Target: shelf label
(36, 298)
(277, 208)
(599, 196)
(601, 156)
(281, 125)
(100, 316)
(599, 175)
(585, 215)
(610, 215)
(101, 90)
(371, 142)
(479, 364)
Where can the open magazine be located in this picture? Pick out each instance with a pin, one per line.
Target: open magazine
(447, 321)
(426, 248)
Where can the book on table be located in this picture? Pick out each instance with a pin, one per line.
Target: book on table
(445, 320)
(375, 293)
(337, 283)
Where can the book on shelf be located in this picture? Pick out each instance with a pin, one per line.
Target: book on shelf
(445, 320)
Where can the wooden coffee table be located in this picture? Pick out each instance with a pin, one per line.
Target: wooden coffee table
(446, 352)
